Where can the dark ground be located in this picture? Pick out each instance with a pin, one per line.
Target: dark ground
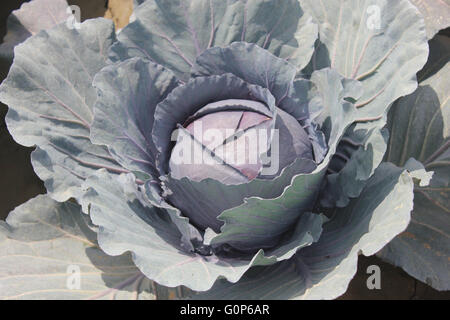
(18, 182)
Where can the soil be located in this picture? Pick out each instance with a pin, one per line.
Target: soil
(19, 182)
(119, 11)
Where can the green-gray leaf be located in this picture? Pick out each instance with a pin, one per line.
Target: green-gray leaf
(174, 33)
(43, 246)
(436, 14)
(31, 18)
(250, 63)
(243, 227)
(324, 269)
(381, 43)
(419, 126)
(129, 222)
(50, 97)
(360, 152)
(128, 93)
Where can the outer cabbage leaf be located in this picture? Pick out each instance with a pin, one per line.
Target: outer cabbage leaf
(176, 32)
(381, 43)
(436, 14)
(124, 112)
(249, 62)
(360, 152)
(63, 165)
(213, 197)
(324, 269)
(50, 97)
(43, 243)
(419, 126)
(129, 222)
(363, 145)
(246, 226)
(31, 18)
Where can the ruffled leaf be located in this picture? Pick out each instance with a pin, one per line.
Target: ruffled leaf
(48, 250)
(259, 223)
(419, 126)
(128, 93)
(31, 18)
(64, 164)
(258, 66)
(128, 222)
(279, 26)
(50, 97)
(436, 14)
(213, 197)
(381, 43)
(360, 152)
(243, 228)
(364, 144)
(324, 269)
(249, 62)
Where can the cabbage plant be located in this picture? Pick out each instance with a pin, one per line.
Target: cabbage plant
(137, 139)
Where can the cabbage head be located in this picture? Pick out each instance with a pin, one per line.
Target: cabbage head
(234, 148)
